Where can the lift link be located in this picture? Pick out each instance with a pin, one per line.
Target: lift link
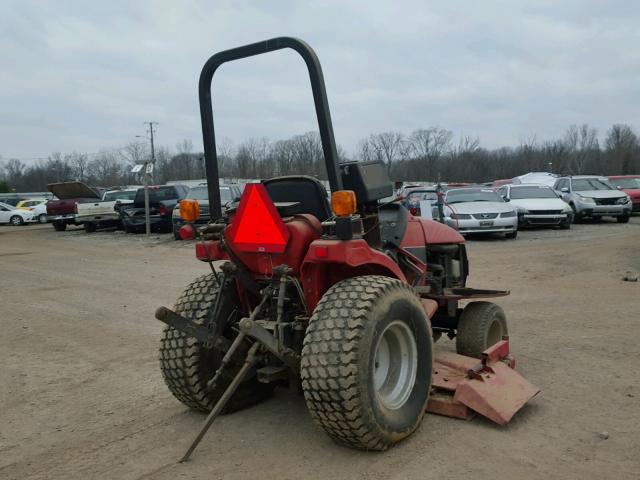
(249, 362)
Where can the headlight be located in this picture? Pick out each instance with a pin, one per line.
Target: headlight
(460, 216)
(622, 200)
(587, 200)
(512, 213)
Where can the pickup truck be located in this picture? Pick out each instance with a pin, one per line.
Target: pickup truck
(103, 214)
(229, 193)
(62, 212)
(162, 201)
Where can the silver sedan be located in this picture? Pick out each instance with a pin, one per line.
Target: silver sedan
(480, 210)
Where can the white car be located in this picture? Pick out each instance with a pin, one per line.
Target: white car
(538, 205)
(479, 210)
(15, 216)
(37, 206)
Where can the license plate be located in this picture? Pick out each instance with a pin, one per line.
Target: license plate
(486, 223)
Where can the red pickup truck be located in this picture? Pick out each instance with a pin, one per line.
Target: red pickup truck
(62, 212)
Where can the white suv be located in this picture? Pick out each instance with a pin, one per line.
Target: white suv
(591, 196)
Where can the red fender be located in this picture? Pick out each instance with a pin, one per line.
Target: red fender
(342, 259)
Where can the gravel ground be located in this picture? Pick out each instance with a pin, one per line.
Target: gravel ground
(82, 396)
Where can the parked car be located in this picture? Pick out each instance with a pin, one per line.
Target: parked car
(105, 213)
(162, 201)
(228, 194)
(479, 210)
(629, 184)
(591, 196)
(537, 205)
(36, 205)
(416, 197)
(62, 212)
(15, 216)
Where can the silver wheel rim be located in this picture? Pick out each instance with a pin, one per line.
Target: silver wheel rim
(42, 218)
(395, 365)
(15, 220)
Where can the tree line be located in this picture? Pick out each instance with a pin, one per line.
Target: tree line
(429, 154)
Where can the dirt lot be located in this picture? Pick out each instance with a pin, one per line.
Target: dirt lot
(81, 394)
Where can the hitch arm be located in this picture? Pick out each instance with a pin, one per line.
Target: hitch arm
(228, 393)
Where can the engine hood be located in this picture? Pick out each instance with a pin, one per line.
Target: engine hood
(480, 207)
(539, 203)
(67, 190)
(602, 193)
(436, 232)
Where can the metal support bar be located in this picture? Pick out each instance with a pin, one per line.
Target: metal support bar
(228, 393)
(185, 325)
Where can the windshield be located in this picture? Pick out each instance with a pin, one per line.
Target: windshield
(120, 195)
(532, 192)
(626, 182)
(472, 195)
(201, 193)
(586, 184)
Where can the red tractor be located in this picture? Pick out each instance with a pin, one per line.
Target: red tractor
(341, 299)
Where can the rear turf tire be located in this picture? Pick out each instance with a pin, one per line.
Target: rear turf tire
(481, 325)
(350, 385)
(59, 226)
(187, 366)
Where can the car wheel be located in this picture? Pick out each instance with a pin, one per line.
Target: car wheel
(42, 218)
(623, 219)
(90, 227)
(16, 220)
(511, 235)
(59, 226)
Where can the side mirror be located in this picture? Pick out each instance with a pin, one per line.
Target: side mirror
(619, 187)
(564, 190)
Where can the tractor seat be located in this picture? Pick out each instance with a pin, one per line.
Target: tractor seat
(307, 191)
(393, 224)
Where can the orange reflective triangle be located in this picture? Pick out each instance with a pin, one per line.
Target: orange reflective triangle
(257, 226)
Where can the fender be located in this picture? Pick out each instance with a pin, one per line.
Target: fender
(343, 259)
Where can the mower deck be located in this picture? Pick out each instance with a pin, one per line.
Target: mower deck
(462, 386)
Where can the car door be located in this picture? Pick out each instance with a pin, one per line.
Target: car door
(5, 213)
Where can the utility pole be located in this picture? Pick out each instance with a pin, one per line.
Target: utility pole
(146, 176)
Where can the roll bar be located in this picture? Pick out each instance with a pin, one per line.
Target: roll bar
(319, 99)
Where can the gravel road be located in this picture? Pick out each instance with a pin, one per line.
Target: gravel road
(81, 395)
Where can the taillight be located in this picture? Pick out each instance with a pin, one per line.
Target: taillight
(163, 210)
(75, 207)
(413, 210)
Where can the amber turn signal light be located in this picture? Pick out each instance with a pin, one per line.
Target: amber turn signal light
(343, 203)
(189, 210)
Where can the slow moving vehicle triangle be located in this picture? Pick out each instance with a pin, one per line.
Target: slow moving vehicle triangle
(257, 226)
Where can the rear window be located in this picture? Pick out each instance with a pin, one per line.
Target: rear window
(201, 193)
(120, 195)
(156, 194)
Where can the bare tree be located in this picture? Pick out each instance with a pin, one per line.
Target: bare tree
(387, 147)
(79, 163)
(582, 145)
(622, 146)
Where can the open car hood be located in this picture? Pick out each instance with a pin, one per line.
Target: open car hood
(66, 190)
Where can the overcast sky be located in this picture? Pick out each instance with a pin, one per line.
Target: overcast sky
(77, 75)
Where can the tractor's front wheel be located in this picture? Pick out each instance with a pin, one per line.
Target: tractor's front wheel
(481, 325)
(366, 362)
(187, 365)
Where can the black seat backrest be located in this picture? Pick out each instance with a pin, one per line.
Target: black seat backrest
(393, 224)
(309, 191)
